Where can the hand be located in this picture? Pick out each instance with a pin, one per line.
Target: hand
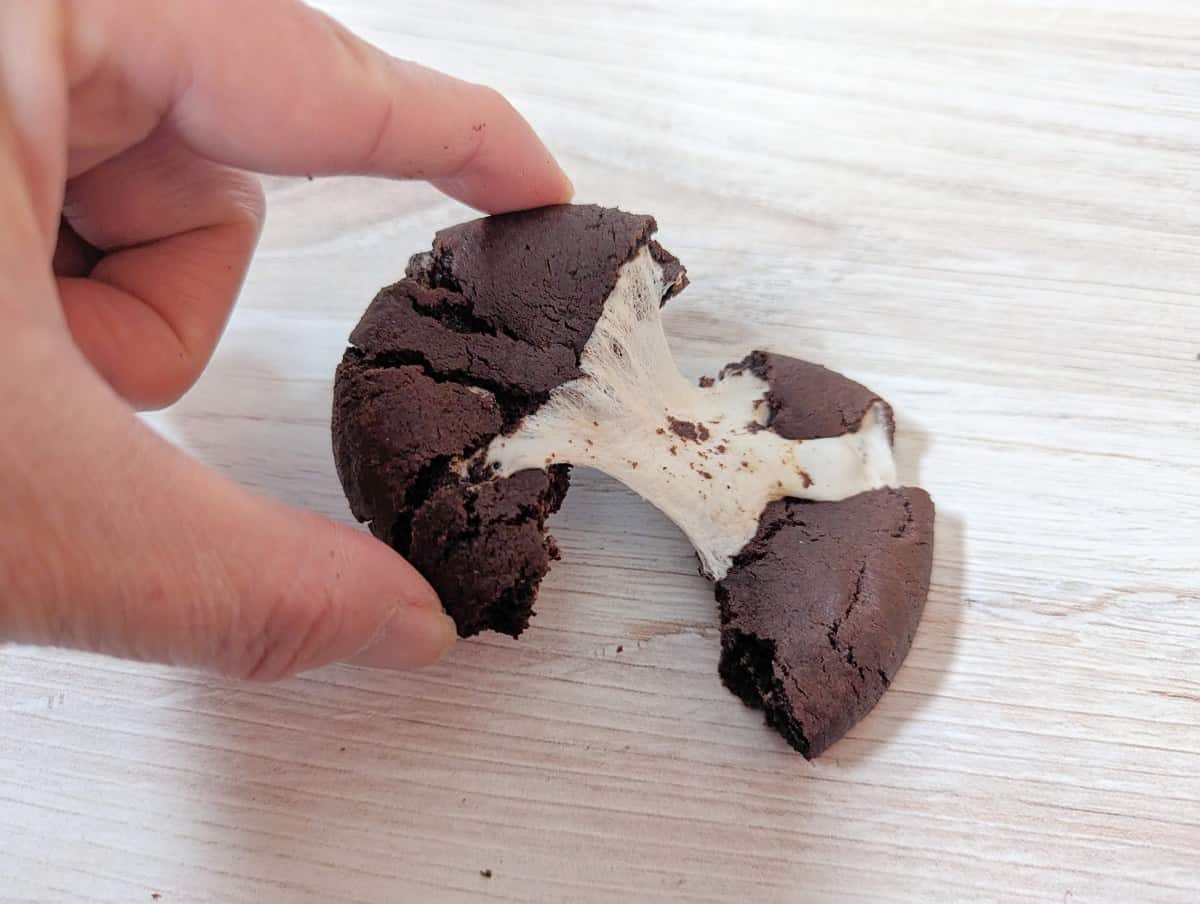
(128, 220)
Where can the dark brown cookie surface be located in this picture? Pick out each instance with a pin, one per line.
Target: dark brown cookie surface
(541, 276)
(474, 338)
(820, 608)
(808, 401)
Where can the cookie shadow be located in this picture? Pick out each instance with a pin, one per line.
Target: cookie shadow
(912, 444)
(931, 658)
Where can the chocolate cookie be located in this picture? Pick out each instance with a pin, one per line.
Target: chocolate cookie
(474, 338)
(524, 343)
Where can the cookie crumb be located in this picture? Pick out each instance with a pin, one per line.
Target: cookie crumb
(707, 382)
(486, 873)
(695, 432)
(620, 648)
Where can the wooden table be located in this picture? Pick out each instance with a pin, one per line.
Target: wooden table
(986, 210)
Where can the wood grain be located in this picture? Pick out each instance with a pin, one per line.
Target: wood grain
(986, 210)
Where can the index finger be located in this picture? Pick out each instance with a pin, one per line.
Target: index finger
(278, 87)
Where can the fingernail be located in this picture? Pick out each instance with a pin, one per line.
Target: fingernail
(414, 636)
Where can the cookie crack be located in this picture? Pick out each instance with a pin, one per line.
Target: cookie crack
(514, 404)
(858, 590)
(846, 651)
(459, 318)
(428, 478)
(748, 555)
(908, 517)
(436, 272)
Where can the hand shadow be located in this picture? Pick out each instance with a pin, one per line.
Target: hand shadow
(351, 784)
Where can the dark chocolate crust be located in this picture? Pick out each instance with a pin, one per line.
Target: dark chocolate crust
(820, 609)
(475, 337)
(808, 401)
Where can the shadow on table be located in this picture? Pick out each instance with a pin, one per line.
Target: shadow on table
(912, 443)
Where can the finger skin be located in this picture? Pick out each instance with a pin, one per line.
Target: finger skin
(111, 539)
(149, 314)
(169, 100)
(114, 541)
(31, 38)
(276, 87)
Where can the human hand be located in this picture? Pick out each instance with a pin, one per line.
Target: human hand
(126, 130)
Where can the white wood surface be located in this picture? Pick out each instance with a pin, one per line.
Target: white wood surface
(986, 210)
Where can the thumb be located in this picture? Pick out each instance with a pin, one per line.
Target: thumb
(123, 545)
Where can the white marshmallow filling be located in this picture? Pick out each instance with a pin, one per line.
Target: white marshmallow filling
(699, 454)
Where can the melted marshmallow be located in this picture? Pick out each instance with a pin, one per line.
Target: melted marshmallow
(698, 454)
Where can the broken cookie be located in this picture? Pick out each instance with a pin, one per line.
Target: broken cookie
(525, 343)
